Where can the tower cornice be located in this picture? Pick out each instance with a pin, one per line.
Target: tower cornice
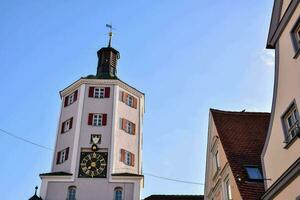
(118, 82)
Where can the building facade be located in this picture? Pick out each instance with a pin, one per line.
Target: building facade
(281, 154)
(234, 145)
(98, 150)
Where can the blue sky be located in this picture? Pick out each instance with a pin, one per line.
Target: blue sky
(187, 56)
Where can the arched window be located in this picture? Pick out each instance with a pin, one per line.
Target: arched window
(71, 193)
(118, 193)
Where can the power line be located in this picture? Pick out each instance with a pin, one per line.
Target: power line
(172, 179)
(48, 148)
(24, 140)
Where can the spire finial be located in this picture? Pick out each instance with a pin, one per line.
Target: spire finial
(110, 34)
(36, 188)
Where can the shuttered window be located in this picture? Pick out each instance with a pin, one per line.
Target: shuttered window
(70, 99)
(67, 125)
(62, 156)
(97, 119)
(127, 157)
(129, 99)
(128, 126)
(99, 92)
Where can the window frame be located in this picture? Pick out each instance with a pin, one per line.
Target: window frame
(129, 127)
(291, 111)
(70, 99)
(217, 161)
(98, 118)
(129, 100)
(99, 93)
(127, 159)
(295, 36)
(227, 187)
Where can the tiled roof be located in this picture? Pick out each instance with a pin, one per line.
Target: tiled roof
(242, 135)
(175, 197)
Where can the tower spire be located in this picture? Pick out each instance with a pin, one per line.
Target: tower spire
(110, 33)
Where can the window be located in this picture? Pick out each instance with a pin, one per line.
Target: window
(295, 34)
(254, 173)
(99, 92)
(67, 125)
(97, 119)
(127, 157)
(129, 100)
(128, 126)
(217, 162)
(228, 190)
(71, 98)
(118, 193)
(62, 156)
(290, 120)
(71, 193)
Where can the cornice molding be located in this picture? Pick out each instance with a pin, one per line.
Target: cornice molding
(118, 82)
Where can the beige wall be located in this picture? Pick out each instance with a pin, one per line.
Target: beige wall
(291, 192)
(287, 90)
(215, 185)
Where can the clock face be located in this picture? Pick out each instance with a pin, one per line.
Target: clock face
(93, 165)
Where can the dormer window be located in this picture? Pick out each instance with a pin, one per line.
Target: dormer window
(254, 173)
(290, 121)
(295, 34)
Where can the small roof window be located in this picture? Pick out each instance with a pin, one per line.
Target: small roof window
(254, 173)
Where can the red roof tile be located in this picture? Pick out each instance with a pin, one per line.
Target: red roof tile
(242, 135)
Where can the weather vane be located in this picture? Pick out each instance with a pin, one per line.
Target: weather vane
(110, 34)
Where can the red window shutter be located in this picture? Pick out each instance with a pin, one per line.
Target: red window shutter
(91, 91)
(67, 154)
(71, 123)
(124, 95)
(134, 102)
(58, 158)
(66, 101)
(133, 129)
(90, 120)
(122, 155)
(123, 124)
(106, 92)
(75, 95)
(104, 119)
(62, 127)
(132, 159)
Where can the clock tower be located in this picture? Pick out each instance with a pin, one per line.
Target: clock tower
(99, 138)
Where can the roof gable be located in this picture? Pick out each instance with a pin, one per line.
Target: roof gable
(242, 136)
